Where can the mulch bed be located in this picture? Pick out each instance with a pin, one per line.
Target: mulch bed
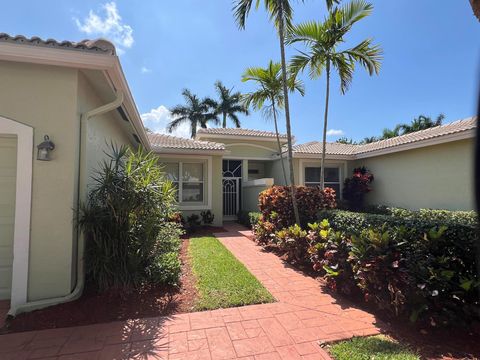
(453, 343)
(94, 308)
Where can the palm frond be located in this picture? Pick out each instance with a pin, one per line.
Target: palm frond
(299, 62)
(330, 3)
(345, 68)
(235, 120)
(241, 9)
(354, 11)
(309, 32)
(368, 55)
(176, 123)
(180, 110)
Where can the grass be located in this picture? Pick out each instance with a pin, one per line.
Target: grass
(223, 281)
(373, 347)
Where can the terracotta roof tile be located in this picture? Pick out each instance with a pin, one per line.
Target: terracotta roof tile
(435, 132)
(315, 147)
(239, 132)
(98, 46)
(162, 141)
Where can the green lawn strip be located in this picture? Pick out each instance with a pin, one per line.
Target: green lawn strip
(373, 347)
(222, 280)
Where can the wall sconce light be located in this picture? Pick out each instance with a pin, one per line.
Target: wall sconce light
(44, 148)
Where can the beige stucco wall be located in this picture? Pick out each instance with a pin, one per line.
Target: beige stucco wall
(45, 98)
(250, 197)
(99, 132)
(274, 170)
(50, 99)
(216, 184)
(437, 177)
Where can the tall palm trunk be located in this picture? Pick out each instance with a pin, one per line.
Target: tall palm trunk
(194, 129)
(278, 141)
(325, 123)
(281, 33)
(224, 124)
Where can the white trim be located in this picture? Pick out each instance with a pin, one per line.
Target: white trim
(186, 158)
(342, 170)
(242, 137)
(249, 158)
(319, 156)
(259, 182)
(253, 145)
(168, 152)
(23, 205)
(466, 134)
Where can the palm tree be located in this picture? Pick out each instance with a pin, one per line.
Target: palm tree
(369, 140)
(229, 104)
(421, 123)
(280, 12)
(197, 112)
(389, 133)
(270, 91)
(345, 140)
(322, 40)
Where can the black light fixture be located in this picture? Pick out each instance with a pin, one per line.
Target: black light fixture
(44, 148)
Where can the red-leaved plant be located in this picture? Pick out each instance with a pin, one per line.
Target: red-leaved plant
(357, 186)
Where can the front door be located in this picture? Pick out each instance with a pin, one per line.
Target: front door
(232, 182)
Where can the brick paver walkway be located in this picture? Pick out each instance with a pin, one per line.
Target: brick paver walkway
(288, 329)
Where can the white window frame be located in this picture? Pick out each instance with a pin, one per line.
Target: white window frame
(341, 166)
(207, 180)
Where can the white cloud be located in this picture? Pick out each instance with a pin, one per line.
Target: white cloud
(145, 70)
(109, 26)
(335, 132)
(158, 119)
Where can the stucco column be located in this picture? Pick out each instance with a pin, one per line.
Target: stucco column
(244, 179)
(244, 170)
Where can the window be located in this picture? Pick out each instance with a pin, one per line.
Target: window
(332, 177)
(190, 184)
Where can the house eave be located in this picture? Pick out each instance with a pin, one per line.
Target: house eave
(78, 59)
(241, 137)
(319, 156)
(462, 135)
(173, 151)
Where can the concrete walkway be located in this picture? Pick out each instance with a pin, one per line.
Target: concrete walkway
(288, 329)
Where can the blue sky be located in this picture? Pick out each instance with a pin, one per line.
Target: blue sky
(430, 63)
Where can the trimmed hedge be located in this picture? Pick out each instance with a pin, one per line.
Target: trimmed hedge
(461, 225)
(415, 264)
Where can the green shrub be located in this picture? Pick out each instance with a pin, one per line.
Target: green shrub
(248, 218)
(166, 269)
(207, 217)
(193, 222)
(415, 266)
(294, 243)
(329, 253)
(126, 222)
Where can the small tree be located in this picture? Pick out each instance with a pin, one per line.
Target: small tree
(356, 187)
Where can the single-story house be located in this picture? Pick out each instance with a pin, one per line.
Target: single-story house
(223, 170)
(68, 101)
(73, 97)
